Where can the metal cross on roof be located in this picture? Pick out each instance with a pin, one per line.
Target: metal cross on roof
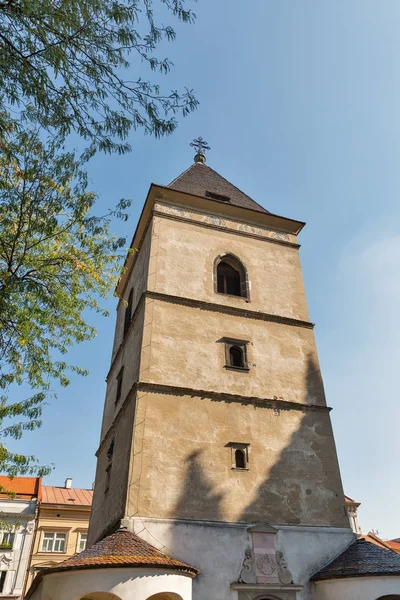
(200, 145)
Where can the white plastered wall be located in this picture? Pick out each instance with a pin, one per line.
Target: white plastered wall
(123, 583)
(217, 549)
(358, 588)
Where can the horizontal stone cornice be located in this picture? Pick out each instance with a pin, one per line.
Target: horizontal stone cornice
(263, 238)
(210, 306)
(232, 310)
(274, 403)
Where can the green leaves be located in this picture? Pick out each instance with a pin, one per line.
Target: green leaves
(57, 260)
(64, 65)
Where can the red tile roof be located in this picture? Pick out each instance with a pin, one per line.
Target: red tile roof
(67, 496)
(24, 487)
(394, 545)
(121, 549)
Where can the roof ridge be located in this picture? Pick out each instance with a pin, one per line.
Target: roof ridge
(183, 173)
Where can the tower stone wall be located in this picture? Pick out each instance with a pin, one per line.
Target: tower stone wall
(181, 409)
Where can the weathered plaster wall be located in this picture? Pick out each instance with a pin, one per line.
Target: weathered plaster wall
(138, 281)
(128, 357)
(187, 350)
(218, 551)
(123, 584)
(109, 507)
(185, 263)
(185, 467)
(358, 588)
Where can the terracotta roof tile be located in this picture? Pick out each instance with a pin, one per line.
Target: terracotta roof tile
(123, 549)
(24, 487)
(394, 545)
(199, 179)
(361, 559)
(67, 496)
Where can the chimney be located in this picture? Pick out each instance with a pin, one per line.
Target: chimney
(68, 483)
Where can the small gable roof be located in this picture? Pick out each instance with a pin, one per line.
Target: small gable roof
(199, 179)
(361, 559)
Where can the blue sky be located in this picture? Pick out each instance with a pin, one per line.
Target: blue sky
(299, 101)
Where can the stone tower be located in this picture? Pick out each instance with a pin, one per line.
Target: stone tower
(216, 442)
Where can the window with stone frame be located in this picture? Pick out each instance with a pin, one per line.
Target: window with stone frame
(236, 355)
(3, 575)
(110, 454)
(240, 454)
(119, 385)
(230, 277)
(128, 312)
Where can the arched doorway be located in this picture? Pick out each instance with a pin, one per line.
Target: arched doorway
(100, 596)
(165, 596)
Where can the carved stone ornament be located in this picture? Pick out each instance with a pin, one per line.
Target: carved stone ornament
(248, 571)
(266, 564)
(284, 574)
(5, 560)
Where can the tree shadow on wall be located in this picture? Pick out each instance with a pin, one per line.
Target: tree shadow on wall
(197, 499)
(303, 485)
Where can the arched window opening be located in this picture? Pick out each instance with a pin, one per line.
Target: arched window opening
(128, 312)
(240, 459)
(231, 277)
(236, 357)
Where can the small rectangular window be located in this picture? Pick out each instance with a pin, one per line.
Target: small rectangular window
(108, 478)
(239, 456)
(82, 542)
(54, 542)
(2, 580)
(119, 385)
(236, 355)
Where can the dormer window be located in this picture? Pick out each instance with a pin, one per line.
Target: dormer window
(219, 197)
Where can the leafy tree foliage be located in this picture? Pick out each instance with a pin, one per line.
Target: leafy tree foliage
(67, 64)
(56, 261)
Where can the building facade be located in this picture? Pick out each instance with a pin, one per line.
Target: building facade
(17, 518)
(61, 528)
(217, 476)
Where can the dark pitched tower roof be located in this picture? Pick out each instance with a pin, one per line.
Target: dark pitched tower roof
(200, 180)
(361, 559)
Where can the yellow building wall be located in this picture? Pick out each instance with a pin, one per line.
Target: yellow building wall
(57, 519)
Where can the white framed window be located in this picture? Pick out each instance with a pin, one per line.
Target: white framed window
(53, 541)
(82, 541)
(6, 540)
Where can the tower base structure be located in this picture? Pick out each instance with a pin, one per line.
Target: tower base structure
(233, 562)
